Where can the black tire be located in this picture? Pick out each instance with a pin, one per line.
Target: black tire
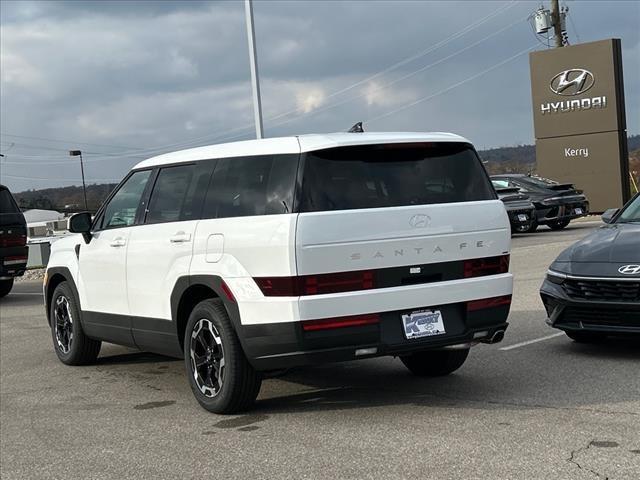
(5, 287)
(70, 343)
(435, 363)
(224, 387)
(586, 337)
(558, 224)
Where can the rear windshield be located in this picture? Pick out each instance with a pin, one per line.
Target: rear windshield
(376, 176)
(7, 204)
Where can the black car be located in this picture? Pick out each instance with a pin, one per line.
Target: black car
(13, 241)
(593, 288)
(556, 203)
(522, 213)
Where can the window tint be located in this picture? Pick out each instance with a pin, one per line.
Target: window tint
(375, 176)
(122, 208)
(7, 204)
(261, 185)
(169, 197)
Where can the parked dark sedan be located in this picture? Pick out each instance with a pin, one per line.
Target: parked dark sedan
(556, 203)
(522, 213)
(13, 240)
(593, 288)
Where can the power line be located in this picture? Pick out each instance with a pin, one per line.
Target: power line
(451, 87)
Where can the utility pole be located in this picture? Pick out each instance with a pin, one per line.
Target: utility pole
(78, 153)
(253, 59)
(557, 24)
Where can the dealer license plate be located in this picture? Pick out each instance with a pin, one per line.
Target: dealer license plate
(423, 323)
(578, 211)
(522, 217)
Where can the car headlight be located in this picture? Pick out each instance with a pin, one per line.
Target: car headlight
(556, 277)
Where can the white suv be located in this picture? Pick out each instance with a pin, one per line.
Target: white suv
(258, 256)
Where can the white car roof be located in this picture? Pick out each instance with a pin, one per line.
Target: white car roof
(296, 144)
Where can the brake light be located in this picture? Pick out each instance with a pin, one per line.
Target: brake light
(480, 267)
(316, 284)
(340, 322)
(485, 303)
(12, 240)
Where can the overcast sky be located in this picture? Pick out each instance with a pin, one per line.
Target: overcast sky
(126, 80)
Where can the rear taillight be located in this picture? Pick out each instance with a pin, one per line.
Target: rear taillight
(15, 260)
(485, 303)
(12, 240)
(316, 284)
(480, 267)
(340, 322)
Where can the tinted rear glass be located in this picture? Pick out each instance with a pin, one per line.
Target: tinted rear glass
(246, 186)
(7, 204)
(376, 176)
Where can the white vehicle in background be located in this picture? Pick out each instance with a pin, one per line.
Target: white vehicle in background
(258, 256)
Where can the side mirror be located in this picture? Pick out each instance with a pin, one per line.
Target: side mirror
(607, 216)
(81, 223)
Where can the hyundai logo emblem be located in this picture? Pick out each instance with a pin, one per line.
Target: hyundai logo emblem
(630, 270)
(420, 221)
(572, 82)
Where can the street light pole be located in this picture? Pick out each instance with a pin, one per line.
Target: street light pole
(253, 60)
(78, 153)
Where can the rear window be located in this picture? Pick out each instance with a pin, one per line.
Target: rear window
(7, 204)
(376, 176)
(248, 186)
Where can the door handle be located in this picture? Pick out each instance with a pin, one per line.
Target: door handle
(118, 242)
(180, 237)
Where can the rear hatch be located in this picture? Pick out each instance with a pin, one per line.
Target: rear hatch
(392, 205)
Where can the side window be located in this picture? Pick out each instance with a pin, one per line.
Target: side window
(245, 186)
(169, 196)
(121, 209)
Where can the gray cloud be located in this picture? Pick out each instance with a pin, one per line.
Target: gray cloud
(165, 74)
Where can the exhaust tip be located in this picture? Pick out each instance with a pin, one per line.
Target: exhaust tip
(498, 336)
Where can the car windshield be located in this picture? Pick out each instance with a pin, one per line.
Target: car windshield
(631, 214)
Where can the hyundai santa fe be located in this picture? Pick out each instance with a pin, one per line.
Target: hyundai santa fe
(258, 256)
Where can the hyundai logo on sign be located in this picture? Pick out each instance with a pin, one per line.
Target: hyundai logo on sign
(630, 270)
(572, 82)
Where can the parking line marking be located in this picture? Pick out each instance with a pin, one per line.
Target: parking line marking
(529, 342)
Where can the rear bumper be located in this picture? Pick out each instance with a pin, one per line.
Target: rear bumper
(566, 313)
(284, 345)
(13, 261)
(561, 211)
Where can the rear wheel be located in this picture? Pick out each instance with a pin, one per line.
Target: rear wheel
(72, 346)
(586, 337)
(219, 373)
(435, 363)
(5, 287)
(558, 224)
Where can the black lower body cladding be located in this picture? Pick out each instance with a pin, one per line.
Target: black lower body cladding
(276, 346)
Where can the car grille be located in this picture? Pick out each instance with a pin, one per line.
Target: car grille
(602, 316)
(603, 290)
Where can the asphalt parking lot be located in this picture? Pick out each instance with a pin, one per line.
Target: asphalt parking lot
(535, 406)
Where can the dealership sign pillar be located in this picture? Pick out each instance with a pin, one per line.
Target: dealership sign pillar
(579, 120)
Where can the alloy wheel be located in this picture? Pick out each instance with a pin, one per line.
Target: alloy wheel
(63, 324)
(207, 357)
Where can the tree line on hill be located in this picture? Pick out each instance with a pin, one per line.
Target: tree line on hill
(518, 159)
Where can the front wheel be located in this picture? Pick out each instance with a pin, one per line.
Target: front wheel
(72, 346)
(219, 373)
(435, 363)
(5, 287)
